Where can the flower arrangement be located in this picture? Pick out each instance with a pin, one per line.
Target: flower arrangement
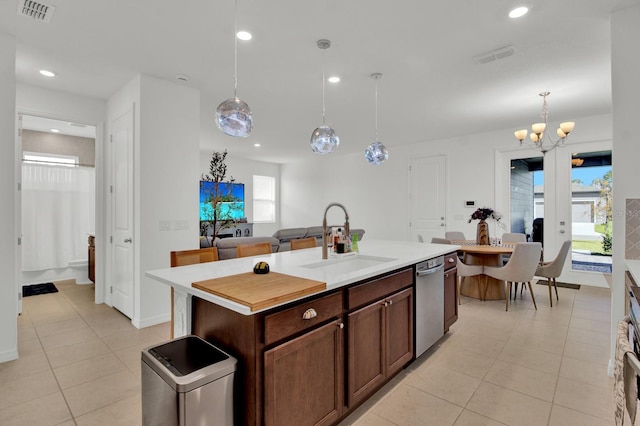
(485, 213)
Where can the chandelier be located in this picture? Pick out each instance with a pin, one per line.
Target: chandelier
(537, 135)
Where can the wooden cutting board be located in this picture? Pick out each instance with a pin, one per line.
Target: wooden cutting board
(260, 291)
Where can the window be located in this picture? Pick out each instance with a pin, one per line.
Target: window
(61, 160)
(264, 199)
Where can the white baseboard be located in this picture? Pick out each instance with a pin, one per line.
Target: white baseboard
(9, 355)
(148, 322)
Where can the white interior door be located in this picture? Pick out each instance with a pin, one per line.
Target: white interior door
(427, 197)
(122, 257)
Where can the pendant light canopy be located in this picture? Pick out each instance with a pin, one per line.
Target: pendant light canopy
(324, 139)
(376, 153)
(233, 116)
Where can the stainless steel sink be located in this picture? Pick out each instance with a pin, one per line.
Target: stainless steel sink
(348, 263)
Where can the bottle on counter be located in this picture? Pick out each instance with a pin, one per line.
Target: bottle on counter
(354, 243)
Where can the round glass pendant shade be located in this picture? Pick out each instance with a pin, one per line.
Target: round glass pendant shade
(233, 117)
(324, 140)
(376, 153)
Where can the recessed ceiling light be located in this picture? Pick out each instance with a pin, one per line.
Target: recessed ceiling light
(333, 79)
(54, 130)
(47, 73)
(518, 12)
(244, 35)
(257, 145)
(183, 78)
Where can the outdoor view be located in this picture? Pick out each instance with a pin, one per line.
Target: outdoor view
(591, 210)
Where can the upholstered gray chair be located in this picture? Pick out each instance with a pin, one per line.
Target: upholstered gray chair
(436, 240)
(520, 268)
(455, 235)
(464, 270)
(512, 238)
(552, 270)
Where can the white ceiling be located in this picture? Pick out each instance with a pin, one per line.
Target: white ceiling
(431, 86)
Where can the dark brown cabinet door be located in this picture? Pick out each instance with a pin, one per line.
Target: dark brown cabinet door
(380, 343)
(399, 324)
(366, 365)
(450, 297)
(303, 378)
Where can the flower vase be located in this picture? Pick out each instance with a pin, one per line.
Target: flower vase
(482, 234)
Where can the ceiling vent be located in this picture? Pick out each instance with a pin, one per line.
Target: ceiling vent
(36, 10)
(494, 55)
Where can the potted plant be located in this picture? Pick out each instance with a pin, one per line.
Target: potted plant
(482, 214)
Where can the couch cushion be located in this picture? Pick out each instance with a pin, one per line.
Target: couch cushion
(314, 231)
(227, 246)
(288, 234)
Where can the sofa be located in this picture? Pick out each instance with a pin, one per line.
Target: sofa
(280, 241)
(284, 236)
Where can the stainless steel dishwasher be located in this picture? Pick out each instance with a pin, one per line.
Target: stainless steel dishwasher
(429, 303)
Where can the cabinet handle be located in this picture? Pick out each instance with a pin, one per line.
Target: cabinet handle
(309, 314)
(390, 302)
(385, 303)
(451, 260)
(341, 325)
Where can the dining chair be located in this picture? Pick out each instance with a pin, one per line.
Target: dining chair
(455, 235)
(244, 250)
(520, 268)
(190, 257)
(511, 238)
(552, 270)
(436, 240)
(303, 243)
(463, 270)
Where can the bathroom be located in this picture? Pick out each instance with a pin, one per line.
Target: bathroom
(58, 199)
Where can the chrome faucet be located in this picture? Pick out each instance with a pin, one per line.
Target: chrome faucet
(324, 226)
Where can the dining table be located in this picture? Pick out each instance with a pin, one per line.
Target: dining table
(482, 286)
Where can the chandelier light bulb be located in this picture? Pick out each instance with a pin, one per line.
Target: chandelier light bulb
(567, 126)
(520, 134)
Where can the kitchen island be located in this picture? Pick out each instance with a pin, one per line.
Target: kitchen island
(311, 359)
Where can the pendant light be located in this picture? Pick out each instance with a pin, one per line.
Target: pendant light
(233, 116)
(376, 153)
(323, 139)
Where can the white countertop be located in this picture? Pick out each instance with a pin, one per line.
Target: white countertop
(392, 255)
(633, 266)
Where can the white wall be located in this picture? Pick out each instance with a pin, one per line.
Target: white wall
(164, 171)
(625, 32)
(242, 171)
(166, 165)
(48, 103)
(8, 180)
(377, 197)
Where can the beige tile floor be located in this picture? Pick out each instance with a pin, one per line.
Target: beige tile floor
(80, 365)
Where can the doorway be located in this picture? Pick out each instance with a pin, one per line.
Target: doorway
(57, 199)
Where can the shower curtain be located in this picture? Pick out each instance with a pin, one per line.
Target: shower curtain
(58, 214)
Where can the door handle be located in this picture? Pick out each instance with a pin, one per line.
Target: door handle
(562, 231)
(127, 240)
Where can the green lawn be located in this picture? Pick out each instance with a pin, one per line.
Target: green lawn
(595, 247)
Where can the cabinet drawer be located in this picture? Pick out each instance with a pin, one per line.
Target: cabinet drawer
(376, 289)
(290, 321)
(450, 260)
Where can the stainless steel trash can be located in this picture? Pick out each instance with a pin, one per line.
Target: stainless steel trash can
(187, 381)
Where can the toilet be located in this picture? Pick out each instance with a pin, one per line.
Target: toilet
(80, 270)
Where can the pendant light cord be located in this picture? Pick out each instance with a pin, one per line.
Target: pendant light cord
(323, 78)
(235, 52)
(376, 102)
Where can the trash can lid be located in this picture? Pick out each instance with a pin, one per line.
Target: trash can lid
(185, 355)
